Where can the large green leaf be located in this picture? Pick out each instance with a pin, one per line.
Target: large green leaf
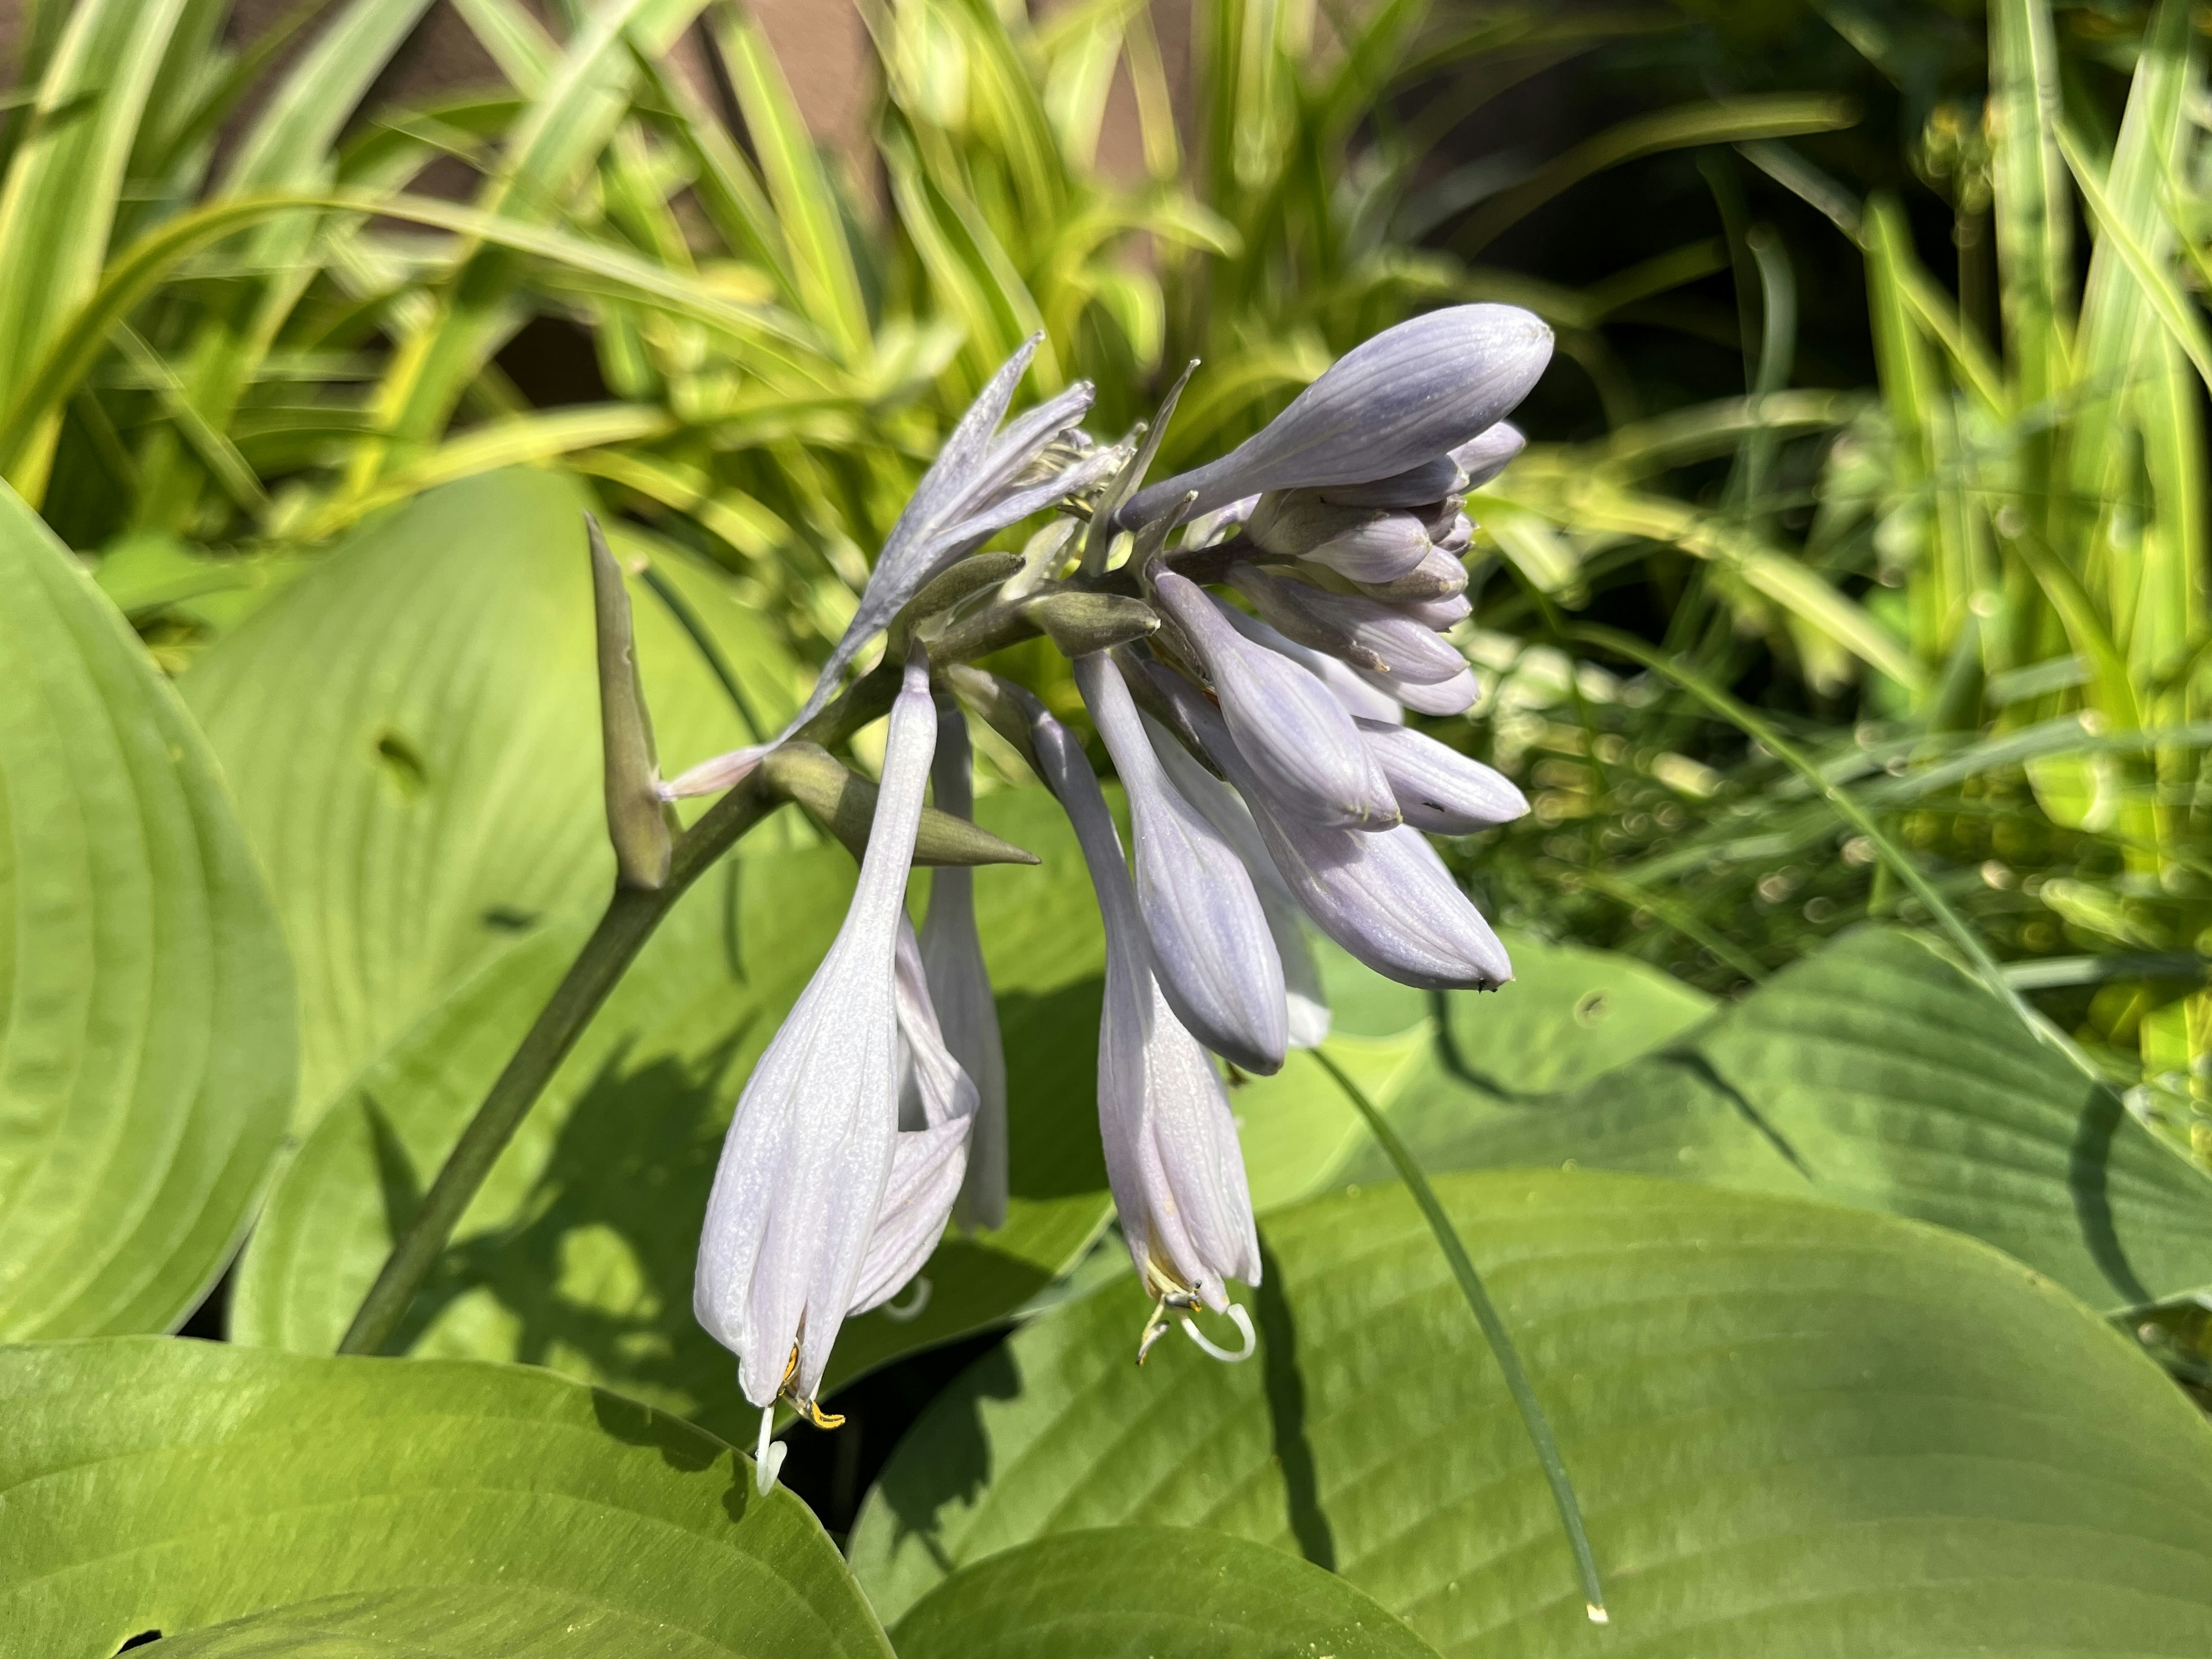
(146, 1020)
(1795, 1428)
(411, 731)
(1876, 1074)
(155, 1485)
(1436, 1062)
(578, 1253)
(1149, 1593)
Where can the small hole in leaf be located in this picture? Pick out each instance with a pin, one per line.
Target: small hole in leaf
(1591, 1009)
(402, 763)
(143, 1639)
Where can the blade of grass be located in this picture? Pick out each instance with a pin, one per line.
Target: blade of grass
(1493, 1332)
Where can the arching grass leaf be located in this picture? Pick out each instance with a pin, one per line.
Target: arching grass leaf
(146, 1016)
(1159, 1592)
(157, 1484)
(1790, 1424)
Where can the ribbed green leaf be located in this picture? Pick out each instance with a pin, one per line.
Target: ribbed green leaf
(411, 731)
(146, 1011)
(1794, 1429)
(1874, 1074)
(1150, 1593)
(151, 1484)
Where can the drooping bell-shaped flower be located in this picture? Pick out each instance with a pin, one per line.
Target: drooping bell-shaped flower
(1296, 738)
(1394, 402)
(810, 1150)
(1306, 999)
(978, 485)
(1386, 897)
(960, 986)
(1172, 1159)
(1211, 948)
(1439, 789)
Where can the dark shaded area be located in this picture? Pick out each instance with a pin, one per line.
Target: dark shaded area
(2088, 1168)
(210, 1320)
(1286, 1414)
(833, 1468)
(959, 1455)
(143, 1638)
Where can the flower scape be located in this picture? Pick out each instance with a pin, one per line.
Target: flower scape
(1271, 780)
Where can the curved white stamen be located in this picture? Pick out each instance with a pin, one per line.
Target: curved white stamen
(768, 1454)
(912, 1309)
(1241, 1321)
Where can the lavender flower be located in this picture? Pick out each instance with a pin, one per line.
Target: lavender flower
(960, 986)
(1386, 897)
(1396, 401)
(1212, 953)
(1488, 454)
(811, 1149)
(1296, 737)
(1439, 789)
(1364, 632)
(1171, 1153)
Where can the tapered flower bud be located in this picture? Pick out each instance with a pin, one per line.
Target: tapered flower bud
(1439, 575)
(1343, 681)
(1488, 454)
(1431, 480)
(1439, 789)
(1386, 898)
(1211, 950)
(637, 820)
(1365, 544)
(1441, 615)
(1362, 631)
(1220, 524)
(1294, 734)
(1412, 392)
(1170, 1141)
(811, 1147)
(960, 988)
(1437, 698)
(1306, 1001)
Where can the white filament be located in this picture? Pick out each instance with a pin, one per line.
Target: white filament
(768, 1454)
(1237, 1317)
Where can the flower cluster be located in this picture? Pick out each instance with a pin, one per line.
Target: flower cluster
(1272, 782)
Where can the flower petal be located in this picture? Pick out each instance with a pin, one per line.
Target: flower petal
(1439, 789)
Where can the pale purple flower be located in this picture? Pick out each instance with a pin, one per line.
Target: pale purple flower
(960, 986)
(1172, 1159)
(1211, 949)
(1455, 695)
(1396, 401)
(1439, 789)
(1357, 697)
(1364, 632)
(1295, 736)
(1488, 454)
(1368, 544)
(1306, 999)
(1386, 897)
(801, 1184)
(1431, 480)
(978, 485)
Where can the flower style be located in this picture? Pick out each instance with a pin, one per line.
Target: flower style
(789, 1248)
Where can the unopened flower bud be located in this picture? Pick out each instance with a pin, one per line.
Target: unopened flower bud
(1438, 575)
(1486, 454)
(1439, 789)
(1343, 681)
(1453, 696)
(1409, 394)
(1447, 613)
(1431, 480)
(1211, 949)
(1297, 736)
(1362, 631)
